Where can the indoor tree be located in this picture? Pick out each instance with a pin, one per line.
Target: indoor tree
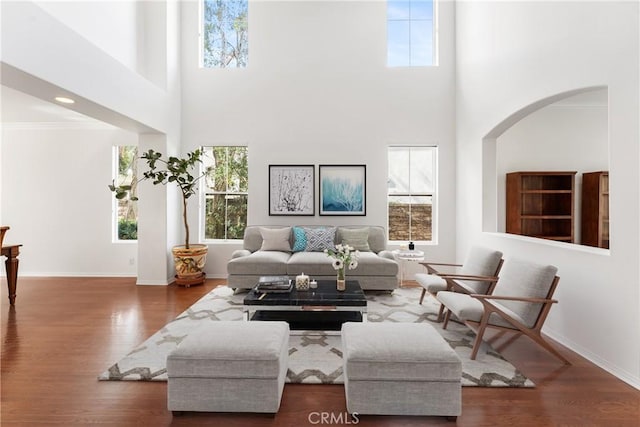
(179, 171)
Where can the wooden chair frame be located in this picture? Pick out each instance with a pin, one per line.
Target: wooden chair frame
(533, 332)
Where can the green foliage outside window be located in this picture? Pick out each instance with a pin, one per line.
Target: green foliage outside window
(225, 33)
(127, 208)
(227, 184)
(127, 229)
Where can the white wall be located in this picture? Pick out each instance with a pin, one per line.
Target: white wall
(317, 91)
(564, 136)
(525, 52)
(96, 21)
(49, 53)
(56, 201)
(44, 57)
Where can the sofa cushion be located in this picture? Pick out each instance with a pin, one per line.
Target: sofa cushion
(465, 308)
(299, 239)
(358, 238)
(260, 263)
(370, 264)
(522, 278)
(311, 263)
(320, 238)
(431, 282)
(319, 264)
(275, 239)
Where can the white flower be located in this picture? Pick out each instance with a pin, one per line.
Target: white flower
(343, 256)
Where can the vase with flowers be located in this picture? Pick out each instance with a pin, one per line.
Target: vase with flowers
(344, 256)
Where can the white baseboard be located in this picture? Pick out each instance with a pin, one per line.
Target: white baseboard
(74, 274)
(614, 370)
(217, 276)
(152, 283)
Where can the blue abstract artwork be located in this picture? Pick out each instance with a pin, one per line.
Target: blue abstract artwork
(342, 189)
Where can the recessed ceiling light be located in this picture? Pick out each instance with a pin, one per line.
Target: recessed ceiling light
(64, 100)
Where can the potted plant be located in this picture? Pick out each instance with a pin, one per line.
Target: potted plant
(189, 258)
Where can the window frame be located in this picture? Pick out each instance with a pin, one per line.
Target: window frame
(433, 195)
(115, 174)
(201, 37)
(204, 192)
(434, 37)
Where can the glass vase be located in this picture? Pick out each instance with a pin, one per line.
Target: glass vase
(340, 281)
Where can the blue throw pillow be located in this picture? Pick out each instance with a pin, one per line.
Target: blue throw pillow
(299, 239)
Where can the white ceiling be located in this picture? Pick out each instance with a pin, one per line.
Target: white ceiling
(18, 108)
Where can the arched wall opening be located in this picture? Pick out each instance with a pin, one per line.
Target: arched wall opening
(565, 132)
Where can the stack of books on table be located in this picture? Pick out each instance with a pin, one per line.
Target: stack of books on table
(274, 284)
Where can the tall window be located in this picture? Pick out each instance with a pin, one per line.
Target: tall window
(224, 34)
(226, 192)
(410, 33)
(411, 192)
(125, 210)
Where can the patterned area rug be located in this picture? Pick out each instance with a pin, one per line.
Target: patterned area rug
(315, 356)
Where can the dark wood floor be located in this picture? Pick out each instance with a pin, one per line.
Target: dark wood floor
(63, 332)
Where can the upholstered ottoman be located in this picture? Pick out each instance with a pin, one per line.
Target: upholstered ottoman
(400, 369)
(229, 367)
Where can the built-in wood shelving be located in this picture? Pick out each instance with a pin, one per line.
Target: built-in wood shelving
(541, 204)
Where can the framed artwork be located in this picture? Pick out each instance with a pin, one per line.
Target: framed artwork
(343, 189)
(292, 190)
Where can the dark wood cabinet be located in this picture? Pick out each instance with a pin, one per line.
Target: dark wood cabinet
(595, 209)
(541, 204)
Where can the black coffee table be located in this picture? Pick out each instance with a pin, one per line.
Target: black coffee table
(323, 308)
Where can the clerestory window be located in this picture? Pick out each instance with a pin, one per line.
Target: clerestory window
(411, 33)
(224, 33)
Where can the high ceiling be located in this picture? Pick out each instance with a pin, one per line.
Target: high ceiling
(18, 108)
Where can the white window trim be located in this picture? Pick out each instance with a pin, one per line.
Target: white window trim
(434, 40)
(434, 197)
(114, 201)
(202, 204)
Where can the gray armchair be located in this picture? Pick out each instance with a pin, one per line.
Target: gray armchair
(520, 303)
(477, 275)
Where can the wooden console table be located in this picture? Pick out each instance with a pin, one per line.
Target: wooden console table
(11, 252)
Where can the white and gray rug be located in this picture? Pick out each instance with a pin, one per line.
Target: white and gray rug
(315, 357)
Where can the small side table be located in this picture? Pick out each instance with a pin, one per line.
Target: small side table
(11, 264)
(403, 256)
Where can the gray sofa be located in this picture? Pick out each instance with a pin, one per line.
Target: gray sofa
(377, 268)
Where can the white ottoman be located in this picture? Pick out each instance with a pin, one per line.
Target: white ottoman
(400, 369)
(229, 367)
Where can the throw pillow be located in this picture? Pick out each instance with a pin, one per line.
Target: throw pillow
(358, 238)
(321, 238)
(275, 239)
(299, 239)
